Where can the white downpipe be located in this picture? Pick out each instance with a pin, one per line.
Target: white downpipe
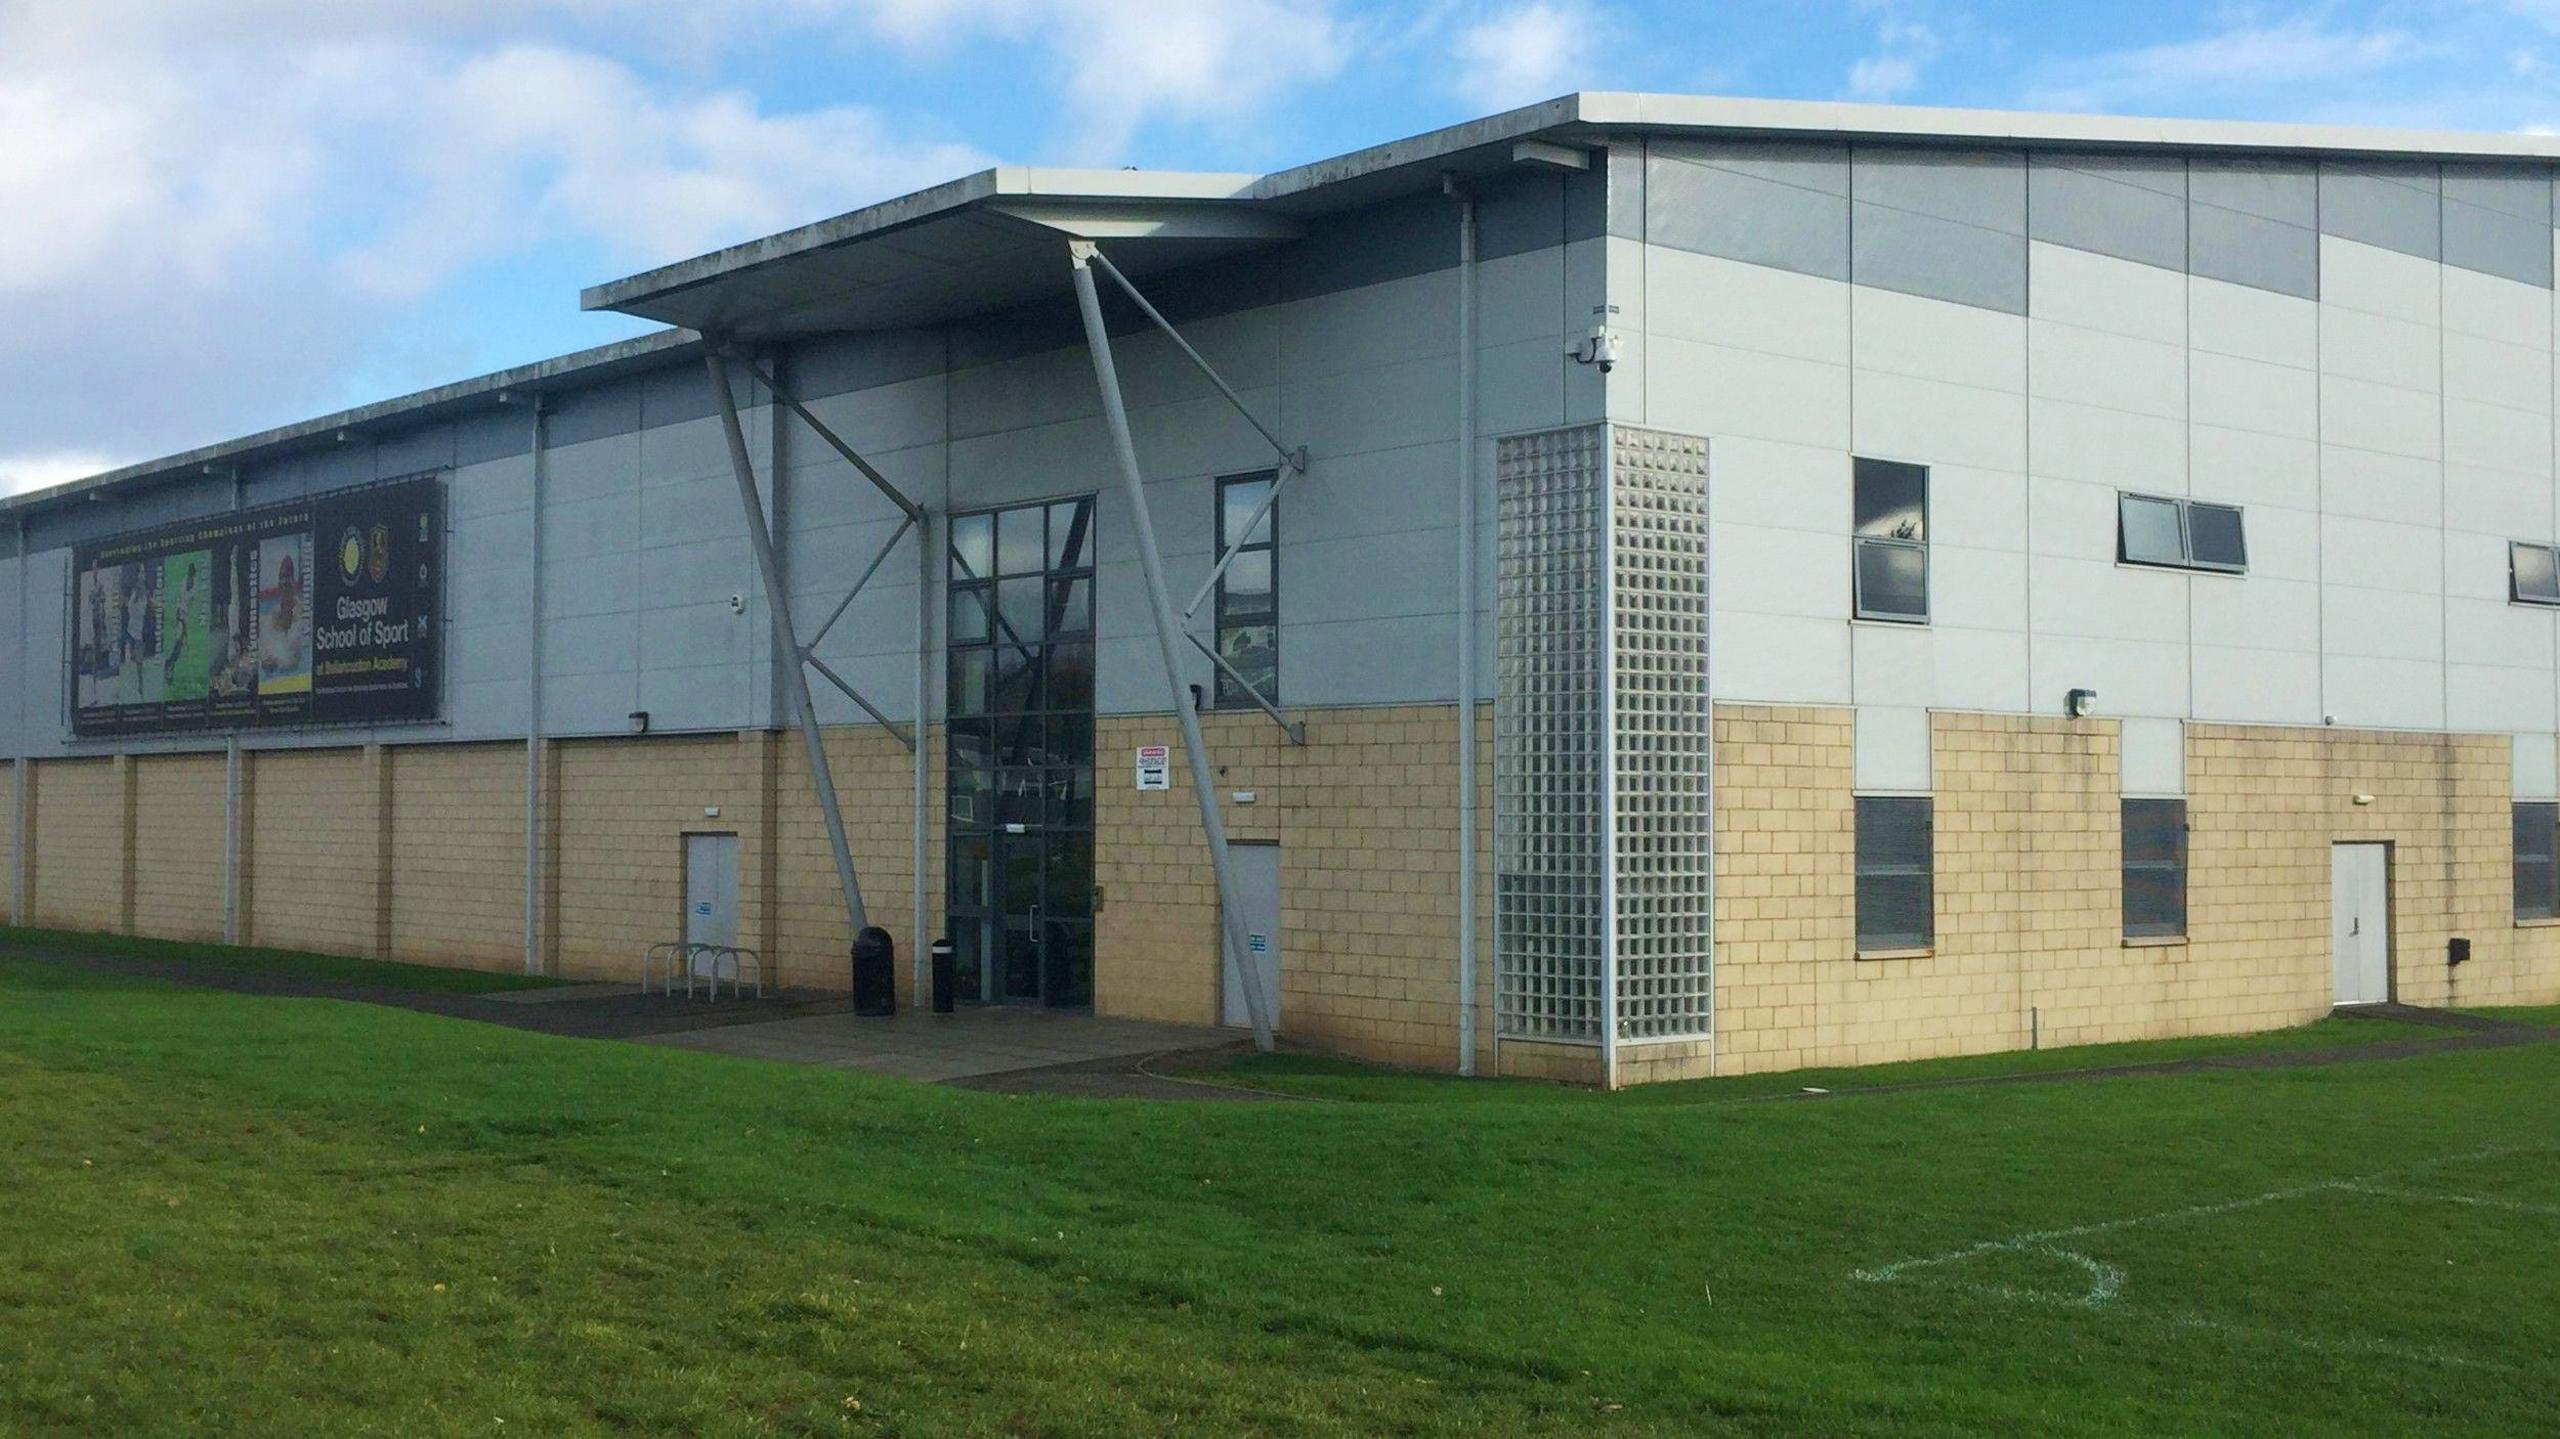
(1466, 510)
(22, 786)
(533, 710)
(926, 551)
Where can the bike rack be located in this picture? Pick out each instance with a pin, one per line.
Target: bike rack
(702, 962)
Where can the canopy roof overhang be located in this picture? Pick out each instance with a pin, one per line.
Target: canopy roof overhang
(992, 241)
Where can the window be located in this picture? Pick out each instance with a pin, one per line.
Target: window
(2155, 868)
(2185, 534)
(2533, 574)
(1890, 515)
(2537, 861)
(1896, 896)
(1249, 590)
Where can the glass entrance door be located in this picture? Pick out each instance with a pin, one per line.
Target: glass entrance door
(1020, 728)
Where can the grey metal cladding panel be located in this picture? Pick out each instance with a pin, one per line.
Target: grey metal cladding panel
(595, 413)
(1938, 259)
(2391, 210)
(1625, 167)
(842, 364)
(2284, 190)
(673, 396)
(2252, 250)
(2520, 190)
(1521, 213)
(406, 452)
(1805, 165)
(1983, 188)
(2130, 217)
(2166, 174)
(1710, 210)
(2494, 242)
(1372, 245)
(502, 433)
(1586, 202)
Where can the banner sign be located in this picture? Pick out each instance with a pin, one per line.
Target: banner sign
(322, 611)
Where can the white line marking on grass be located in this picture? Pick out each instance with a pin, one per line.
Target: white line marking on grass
(2101, 1292)
(2483, 1201)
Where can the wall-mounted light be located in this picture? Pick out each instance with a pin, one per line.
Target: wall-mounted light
(2080, 704)
(2364, 799)
(639, 721)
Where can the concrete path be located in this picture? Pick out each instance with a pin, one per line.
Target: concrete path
(969, 1044)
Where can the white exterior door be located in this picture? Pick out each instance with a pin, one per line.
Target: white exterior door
(1256, 869)
(2360, 921)
(711, 895)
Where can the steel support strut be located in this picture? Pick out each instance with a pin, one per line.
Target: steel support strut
(1115, 414)
(778, 606)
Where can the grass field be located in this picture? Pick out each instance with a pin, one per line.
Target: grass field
(294, 1216)
(295, 963)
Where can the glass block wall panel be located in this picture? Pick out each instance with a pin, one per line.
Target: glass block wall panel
(1665, 862)
(1551, 921)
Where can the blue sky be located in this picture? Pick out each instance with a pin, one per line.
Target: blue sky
(218, 215)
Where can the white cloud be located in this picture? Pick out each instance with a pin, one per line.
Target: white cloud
(1526, 54)
(2237, 61)
(21, 473)
(1903, 49)
(212, 215)
(1124, 64)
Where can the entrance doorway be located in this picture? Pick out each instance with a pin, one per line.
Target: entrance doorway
(1020, 729)
(711, 899)
(2360, 921)
(1255, 869)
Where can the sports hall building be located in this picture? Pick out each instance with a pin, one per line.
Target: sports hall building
(1629, 588)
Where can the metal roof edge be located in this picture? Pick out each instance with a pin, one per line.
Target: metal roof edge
(951, 195)
(1628, 110)
(579, 367)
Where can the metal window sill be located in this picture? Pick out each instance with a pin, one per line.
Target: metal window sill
(1923, 952)
(2155, 941)
(2546, 922)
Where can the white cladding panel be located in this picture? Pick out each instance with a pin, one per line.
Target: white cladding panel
(2386, 441)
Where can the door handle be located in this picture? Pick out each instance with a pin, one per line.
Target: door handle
(2356, 928)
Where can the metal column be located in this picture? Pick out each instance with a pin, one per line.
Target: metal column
(533, 705)
(22, 787)
(1213, 827)
(1466, 631)
(778, 607)
(920, 959)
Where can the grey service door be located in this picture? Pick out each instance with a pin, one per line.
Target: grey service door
(1256, 870)
(710, 893)
(2360, 921)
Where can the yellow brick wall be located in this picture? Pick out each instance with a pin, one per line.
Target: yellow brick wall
(177, 846)
(78, 864)
(875, 788)
(2265, 805)
(615, 862)
(457, 855)
(1365, 814)
(9, 876)
(313, 877)
(2029, 941)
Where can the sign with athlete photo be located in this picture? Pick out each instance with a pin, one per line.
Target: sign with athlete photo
(323, 611)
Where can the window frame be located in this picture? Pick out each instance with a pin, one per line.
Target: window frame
(2515, 576)
(1860, 466)
(2178, 864)
(2546, 814)
(2187, 560)
(1881, 943)
(1223, 695)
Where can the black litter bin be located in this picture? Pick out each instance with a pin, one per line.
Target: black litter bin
(875, 973)
(946, 975)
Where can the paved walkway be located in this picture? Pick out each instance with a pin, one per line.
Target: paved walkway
(971, 1043)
